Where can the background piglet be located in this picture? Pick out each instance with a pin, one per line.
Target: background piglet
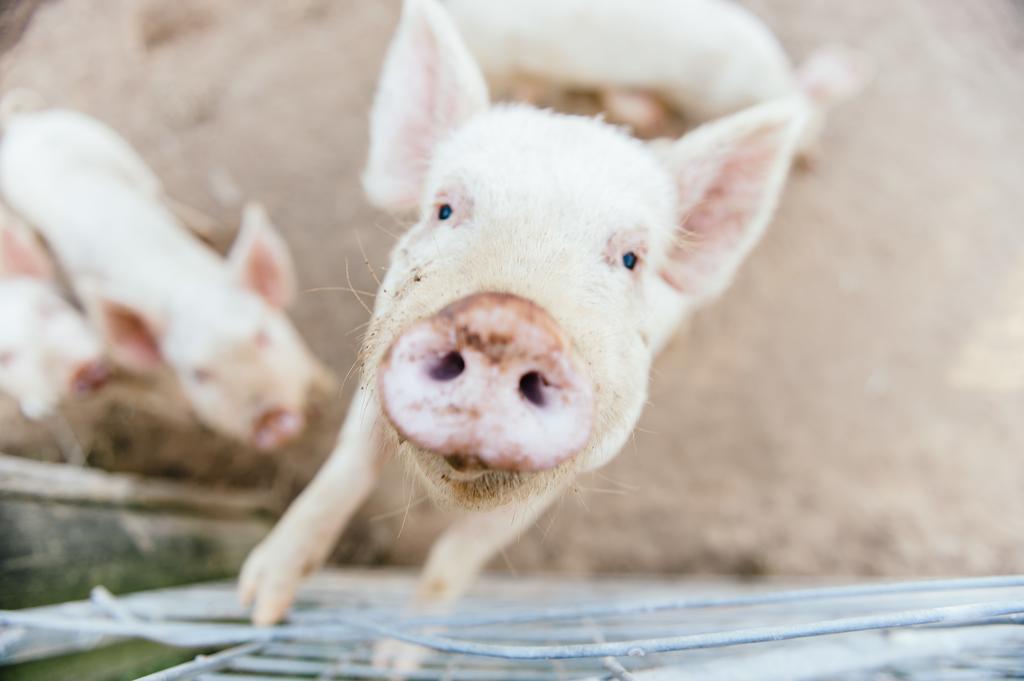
(47, 350)
(511, 343)
(703, 58)
(159, 295)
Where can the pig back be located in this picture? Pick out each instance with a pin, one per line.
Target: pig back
(680, 46)
(97, 204)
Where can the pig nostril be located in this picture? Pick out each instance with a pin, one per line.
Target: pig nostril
(531, 387)
(448, 367)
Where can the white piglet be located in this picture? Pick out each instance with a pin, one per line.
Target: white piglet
(159, 295)
(703, 58)
(47, 350)
(513, 335)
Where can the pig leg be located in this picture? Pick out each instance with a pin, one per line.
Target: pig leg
(304, 537)
(454, 562)
(643, 111)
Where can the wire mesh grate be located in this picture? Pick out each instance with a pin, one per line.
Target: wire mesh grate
(553, 629)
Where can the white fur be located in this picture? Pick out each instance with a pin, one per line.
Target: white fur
(705, 58)
(44, 341)
(544, 206)
(146, 281)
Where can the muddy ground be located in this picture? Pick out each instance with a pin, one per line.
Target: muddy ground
(853, 405)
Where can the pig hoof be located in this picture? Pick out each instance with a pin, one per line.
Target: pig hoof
(398, 657)
(268, 582)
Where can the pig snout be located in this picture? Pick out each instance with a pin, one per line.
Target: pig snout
(488, 383)
(89, 377)
(276, 426)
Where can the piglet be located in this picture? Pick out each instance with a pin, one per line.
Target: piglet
(159, 295)
(47, 350)
(552, 257)
(703, 58)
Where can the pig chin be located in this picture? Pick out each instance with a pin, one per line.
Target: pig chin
(479, 490)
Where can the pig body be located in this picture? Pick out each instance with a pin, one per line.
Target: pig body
(513, 335)
(159, 294)
(703, 58)
(47, 350)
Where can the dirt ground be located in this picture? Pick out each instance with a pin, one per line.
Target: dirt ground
(855, 404)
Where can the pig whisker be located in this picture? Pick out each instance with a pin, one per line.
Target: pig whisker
(366, 260)
(396, 222)
(623, 485)
(604, 490)
(398, 511)
(340, 288)
(348, 277)
(359, 327)
(554, 516)
(405, 517)
(579, 498)
(348, 374)
(645, 431)
(386, 231)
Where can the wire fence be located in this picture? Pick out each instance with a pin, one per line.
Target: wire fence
(946, 629)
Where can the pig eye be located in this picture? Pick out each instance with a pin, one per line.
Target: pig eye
(444, 211)
(630, 260)
(262, 339)
(202, 375)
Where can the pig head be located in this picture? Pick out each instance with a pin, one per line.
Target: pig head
(47, 351)
(510, 347)
(239, 361)
(161, 298)
(551, 258)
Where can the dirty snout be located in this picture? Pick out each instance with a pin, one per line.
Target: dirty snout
(275, 427)
(89, 377)
(489, 382)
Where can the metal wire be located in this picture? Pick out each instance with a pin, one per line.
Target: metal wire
(598, 610)
(605, 640)
(961, 615)
(196, 635)
(202, 663)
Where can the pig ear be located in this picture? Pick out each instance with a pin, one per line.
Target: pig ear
(260, 259)
(429, 86)
(131, 333)
(21, 254)
(729, 175)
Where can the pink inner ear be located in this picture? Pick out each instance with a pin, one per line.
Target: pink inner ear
(429, 86)
(716, 229)
(132, 338)
(419, 117)
(420, 132)
(22, 257)
(264, 276)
